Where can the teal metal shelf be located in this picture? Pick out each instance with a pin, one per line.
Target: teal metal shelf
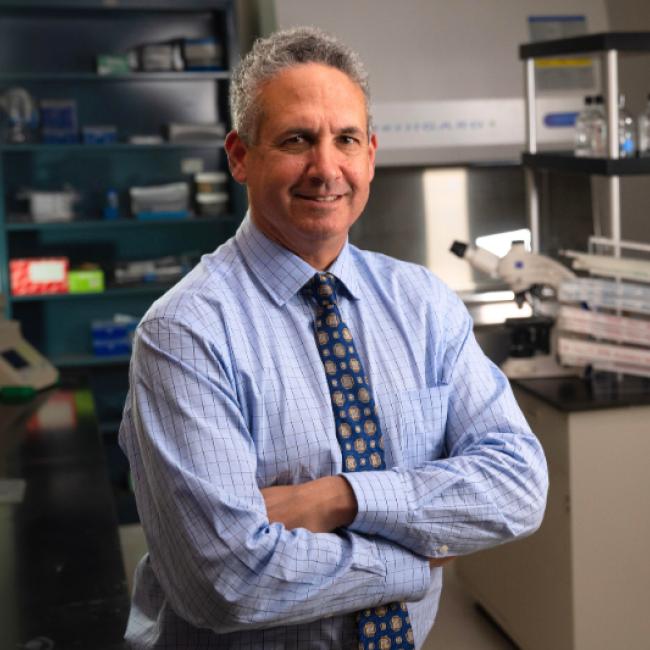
(49, 47)
(89, 360)
(117, 224)
(17, 77)
(119, 292)
(98, 148)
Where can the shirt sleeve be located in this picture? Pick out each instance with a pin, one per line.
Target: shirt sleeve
(219, 561)
(491, 485)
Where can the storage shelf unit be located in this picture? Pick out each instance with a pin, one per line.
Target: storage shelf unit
(135, 76)
(89, 361)
(612, 167)
(619, 41)
(119, 224)
(567, 161)
(108, 294)
(49, 48)
(78, 147)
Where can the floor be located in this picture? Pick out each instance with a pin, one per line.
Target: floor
(460, 625)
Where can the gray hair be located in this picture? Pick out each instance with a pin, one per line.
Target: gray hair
(284, 49)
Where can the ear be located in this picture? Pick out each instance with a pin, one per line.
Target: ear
(372, 151)
(236, 151)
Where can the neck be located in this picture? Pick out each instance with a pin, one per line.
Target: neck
(319, 260)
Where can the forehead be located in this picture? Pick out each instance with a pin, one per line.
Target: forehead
(312, 93)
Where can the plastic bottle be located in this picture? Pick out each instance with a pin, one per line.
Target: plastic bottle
(112, 204)
(582, 145)
(599, 128)
(644, 130)
(626, 131)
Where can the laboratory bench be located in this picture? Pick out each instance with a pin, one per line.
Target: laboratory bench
(599, 392)
(62, 581)
(582, 581)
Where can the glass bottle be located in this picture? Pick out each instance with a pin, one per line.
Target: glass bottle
(599, 129)
(626, 131)
(644, 130)
(582, 144)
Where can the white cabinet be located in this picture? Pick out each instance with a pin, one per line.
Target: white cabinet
(582, 582)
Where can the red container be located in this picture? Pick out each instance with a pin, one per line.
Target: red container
(39, 275)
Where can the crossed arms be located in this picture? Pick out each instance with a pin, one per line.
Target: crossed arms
(320, 506)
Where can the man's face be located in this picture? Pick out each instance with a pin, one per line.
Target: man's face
(309, 171)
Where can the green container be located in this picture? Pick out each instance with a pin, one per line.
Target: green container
(108, 64)
(86, 281)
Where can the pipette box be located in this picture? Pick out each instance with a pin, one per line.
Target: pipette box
(36, 276)
(202, 54)
(111, 337)
(59, 121)
(86, 281)
(113, 64)
(99, 134)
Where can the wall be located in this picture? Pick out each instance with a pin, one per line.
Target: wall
(632, 15)
(424, 49)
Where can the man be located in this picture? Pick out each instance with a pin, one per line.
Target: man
(312, 428)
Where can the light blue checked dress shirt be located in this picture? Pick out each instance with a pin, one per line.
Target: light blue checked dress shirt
(228, 395)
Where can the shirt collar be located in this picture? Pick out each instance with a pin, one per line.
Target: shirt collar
(281, 272)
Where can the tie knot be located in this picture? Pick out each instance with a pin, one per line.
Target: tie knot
(323, 288)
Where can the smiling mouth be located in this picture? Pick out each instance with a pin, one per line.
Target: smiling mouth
(328, 198)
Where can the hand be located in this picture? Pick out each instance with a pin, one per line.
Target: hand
(435, 562)
(320, 506)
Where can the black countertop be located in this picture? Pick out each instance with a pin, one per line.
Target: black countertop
(603, 391)
(60, 554)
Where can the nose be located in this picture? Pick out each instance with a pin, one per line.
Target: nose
(325, 163)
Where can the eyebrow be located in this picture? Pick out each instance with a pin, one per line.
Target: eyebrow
(346, 130)
(351, 130)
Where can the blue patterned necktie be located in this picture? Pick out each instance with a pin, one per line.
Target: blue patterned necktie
(359, 433)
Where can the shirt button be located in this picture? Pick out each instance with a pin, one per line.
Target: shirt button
(443, 549)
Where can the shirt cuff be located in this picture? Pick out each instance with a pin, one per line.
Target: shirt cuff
(408, 576)
(382, 507)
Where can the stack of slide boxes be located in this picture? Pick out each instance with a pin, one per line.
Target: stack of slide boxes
(605, 324)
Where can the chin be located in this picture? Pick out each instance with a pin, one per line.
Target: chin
(324, 227)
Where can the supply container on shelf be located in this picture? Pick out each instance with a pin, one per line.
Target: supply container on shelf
(584, 122)
(86, 281)
(113, 337)
(626, 131)
(162, 201)
(644, 130)
(211, 204)
(206, 182)
(38, 275)
(50, 206)
(599, 128)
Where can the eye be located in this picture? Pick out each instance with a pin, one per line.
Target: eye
(295, 140)
(348, 140)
